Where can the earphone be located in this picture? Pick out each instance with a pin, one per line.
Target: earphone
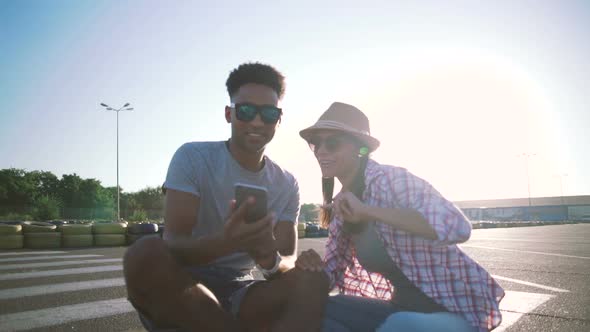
(363, 151)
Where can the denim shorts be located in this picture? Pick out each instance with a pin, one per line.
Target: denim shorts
(228, 285)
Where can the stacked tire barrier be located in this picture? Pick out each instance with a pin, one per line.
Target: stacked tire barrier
(11, 235)
(109, 234)
(312, 230)
(76, 236)
(41, 235)
(58, 222)
(72, 234)
(301, 230)
(137, 231)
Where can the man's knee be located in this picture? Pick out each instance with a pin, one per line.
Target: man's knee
(144, 264)
(141, 256)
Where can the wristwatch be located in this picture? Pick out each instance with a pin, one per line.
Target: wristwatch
(268, 272)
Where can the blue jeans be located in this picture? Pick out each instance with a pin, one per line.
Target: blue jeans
(357, 314)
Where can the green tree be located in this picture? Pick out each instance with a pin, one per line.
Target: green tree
(138, 215)
(68, 189)
(46, 183)
(150, 200)
(17, 188)
(46, 196)
(46, 208)
(85, 198)
(309, 212)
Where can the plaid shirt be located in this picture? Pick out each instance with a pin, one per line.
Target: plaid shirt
(439, 268)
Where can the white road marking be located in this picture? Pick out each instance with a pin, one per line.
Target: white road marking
(526, 251)
(31, 253)
(52, 273)
(560, 241)
(554, 289)
(60, 315)
(519, 304)
(513, 307)
(62, 263)
(16, 293)
(39, 258)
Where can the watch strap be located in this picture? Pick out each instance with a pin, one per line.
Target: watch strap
(272, 270)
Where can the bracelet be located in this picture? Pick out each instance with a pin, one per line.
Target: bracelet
(268, 272)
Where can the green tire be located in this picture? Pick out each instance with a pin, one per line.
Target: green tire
(77, 241)
(42, 240)
(109, 240)
(110, 228)
(11, 241)
(75, 229)
(131, 238)
(38, 227)
(10, 229)
(142, 228)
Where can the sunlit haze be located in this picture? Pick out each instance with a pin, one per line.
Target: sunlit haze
(455, 93)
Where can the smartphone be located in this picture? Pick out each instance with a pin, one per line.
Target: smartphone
(258, 210)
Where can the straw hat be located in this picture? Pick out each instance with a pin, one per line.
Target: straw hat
(344, 118)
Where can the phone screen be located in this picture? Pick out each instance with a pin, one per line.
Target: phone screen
(258, 210)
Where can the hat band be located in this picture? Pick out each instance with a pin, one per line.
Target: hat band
(328, 124)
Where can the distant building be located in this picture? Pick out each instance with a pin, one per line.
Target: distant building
(540, 208)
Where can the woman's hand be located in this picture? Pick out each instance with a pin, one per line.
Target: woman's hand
(350, 208)
(310, 260)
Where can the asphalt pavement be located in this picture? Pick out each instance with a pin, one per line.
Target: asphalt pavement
(544, 270)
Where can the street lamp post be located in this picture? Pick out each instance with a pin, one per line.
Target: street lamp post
(528, 179)
(560, 177)
(561, 194)
(123, 108)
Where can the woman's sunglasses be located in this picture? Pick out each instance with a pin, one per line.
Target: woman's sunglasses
(331, 143)
(247, 112)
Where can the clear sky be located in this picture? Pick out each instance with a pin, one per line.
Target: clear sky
(455, 90)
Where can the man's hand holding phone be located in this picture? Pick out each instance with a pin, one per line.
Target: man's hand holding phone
(249, 227)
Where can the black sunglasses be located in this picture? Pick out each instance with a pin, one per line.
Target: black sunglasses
(269, 114)
(331, 143)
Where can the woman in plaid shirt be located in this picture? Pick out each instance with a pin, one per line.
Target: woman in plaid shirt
(392, 248)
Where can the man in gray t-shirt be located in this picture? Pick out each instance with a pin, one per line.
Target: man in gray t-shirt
(198, 277)
(208, 171)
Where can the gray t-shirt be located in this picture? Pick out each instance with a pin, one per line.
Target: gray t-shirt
(207, 170)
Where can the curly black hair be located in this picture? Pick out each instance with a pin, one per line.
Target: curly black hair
(255, 72)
